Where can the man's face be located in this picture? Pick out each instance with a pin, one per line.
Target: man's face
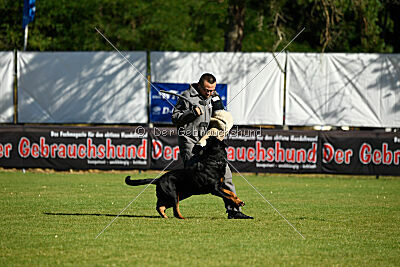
(207, 89)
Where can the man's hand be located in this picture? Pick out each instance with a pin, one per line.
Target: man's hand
(197, 110)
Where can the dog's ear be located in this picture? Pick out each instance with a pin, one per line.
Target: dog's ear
(216, 141)
(212, 140)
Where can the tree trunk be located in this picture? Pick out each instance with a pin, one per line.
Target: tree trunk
(234, 33)
(394, 8)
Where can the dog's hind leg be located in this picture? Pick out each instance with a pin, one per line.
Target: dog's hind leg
(177, 212)
(161, 211)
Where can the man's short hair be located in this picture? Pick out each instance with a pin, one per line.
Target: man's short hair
(207, 77)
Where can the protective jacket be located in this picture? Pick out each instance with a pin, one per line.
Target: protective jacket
(190, 126)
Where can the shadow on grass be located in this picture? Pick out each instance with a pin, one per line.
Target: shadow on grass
(126, 215)
(97, 214)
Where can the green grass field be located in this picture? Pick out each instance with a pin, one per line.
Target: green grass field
(53, 218)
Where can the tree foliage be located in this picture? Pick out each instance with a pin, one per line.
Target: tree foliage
(205, 25)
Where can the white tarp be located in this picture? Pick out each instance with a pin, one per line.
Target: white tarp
(251, 100)
(81, 87)
(343, 89)
(6, 87)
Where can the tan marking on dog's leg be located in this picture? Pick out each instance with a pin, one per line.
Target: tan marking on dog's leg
(232, 196)
(177, 212)
(161, 211)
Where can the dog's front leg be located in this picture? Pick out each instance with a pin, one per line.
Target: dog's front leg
(225, 193)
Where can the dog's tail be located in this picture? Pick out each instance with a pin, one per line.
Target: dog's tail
(128, 181)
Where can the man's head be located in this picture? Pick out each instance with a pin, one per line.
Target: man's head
(207, 84)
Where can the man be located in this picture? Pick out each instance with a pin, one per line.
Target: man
(192, 121)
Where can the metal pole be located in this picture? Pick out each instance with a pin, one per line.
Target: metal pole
(26, 37)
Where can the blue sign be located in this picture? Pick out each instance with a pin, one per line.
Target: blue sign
(161, 109)
(28, 12)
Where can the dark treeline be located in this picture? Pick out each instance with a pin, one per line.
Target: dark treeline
(200, 25)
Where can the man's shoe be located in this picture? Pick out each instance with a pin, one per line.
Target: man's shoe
(238, 215)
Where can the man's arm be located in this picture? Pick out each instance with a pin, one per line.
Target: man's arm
(183, 113)
(217, 102)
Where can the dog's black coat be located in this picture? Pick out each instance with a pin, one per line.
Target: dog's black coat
(203, 177)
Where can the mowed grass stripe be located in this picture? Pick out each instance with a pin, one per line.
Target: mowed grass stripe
(53, 218)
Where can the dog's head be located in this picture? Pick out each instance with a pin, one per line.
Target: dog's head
(213, 154)
(213, 146)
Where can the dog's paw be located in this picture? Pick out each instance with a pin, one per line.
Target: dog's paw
(127, 179)
(161, 211)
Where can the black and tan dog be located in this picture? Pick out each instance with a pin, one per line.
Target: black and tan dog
(204, 177)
